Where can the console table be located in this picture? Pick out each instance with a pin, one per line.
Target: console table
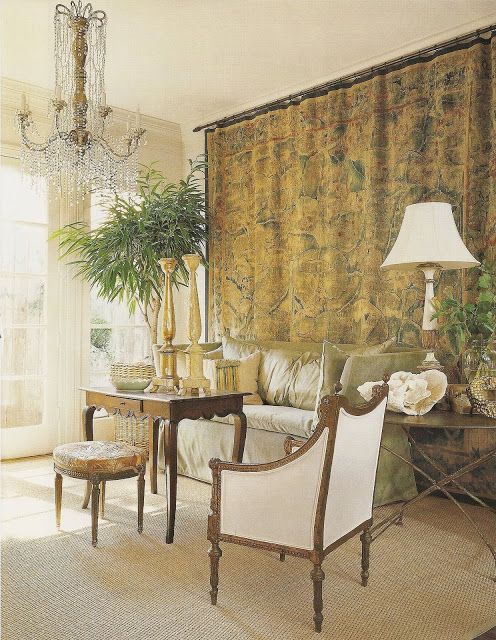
(440, 420)
(170, 409)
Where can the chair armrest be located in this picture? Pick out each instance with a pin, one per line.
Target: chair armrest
(292, 444)
(272, 502)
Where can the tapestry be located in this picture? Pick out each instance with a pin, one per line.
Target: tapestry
(305, 202)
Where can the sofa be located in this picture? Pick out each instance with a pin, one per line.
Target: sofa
(291, 376)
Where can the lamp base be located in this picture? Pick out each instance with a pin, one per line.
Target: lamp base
(430, 362)
(430, 340)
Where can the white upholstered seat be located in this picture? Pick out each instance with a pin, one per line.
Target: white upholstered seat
(309, 502)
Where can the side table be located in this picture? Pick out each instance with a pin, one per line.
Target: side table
(170, 409)
(440, 420)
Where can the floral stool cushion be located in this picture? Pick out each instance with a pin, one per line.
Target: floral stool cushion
(93, 457)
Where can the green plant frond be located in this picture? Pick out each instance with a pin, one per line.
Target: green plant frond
(120, 257)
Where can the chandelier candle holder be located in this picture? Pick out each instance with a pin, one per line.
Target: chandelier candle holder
(168, 380)
(195, 380)
(78, 153)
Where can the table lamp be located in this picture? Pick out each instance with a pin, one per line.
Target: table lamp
(429, 240)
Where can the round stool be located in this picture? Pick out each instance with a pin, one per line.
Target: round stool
(98, 461)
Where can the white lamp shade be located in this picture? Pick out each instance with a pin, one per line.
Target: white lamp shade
(428, 235)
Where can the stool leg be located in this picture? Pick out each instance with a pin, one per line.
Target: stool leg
(141, 499)
(95, 496)
(102, 498)
(87, 494)
(58, 499)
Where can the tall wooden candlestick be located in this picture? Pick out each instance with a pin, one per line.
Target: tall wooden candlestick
(195, 381)
(168, 380)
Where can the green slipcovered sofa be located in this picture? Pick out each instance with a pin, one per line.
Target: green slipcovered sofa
(291, 376)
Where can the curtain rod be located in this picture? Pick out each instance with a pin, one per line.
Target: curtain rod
(295, 98)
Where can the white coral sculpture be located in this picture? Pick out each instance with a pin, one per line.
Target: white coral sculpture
(411, 393)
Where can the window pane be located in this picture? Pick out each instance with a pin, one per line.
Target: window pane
(17, 200)
(115, 345)
(23, 287)
(23, 248)
(24, 352)
(22, 300)
(22, 402)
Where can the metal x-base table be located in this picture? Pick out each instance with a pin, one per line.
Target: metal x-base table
(440, 420)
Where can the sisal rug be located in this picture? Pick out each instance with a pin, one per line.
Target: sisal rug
(429, 579)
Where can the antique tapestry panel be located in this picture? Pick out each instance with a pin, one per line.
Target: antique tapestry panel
(306, 201)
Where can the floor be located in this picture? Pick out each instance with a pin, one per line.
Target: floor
(430, 579)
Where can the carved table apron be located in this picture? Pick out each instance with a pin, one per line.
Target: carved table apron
(446, 482)
(170, 409)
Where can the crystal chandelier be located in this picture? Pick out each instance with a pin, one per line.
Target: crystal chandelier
(78, 152)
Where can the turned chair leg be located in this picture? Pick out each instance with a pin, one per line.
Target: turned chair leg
(87, 494)
(215, 553)
(141, 499)
(282, 556)
(366, 539)
(58, 499)
(102, 498)
(95, 499)
(317, 576)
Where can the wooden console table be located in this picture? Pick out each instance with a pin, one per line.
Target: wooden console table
(446, 482)
(170, 409)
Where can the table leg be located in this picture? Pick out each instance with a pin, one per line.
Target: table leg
(439, 485)
(239, 436)
(153, 425)
(170, 454)
(87, 423)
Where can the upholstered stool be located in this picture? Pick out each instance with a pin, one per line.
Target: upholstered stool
(96, 462)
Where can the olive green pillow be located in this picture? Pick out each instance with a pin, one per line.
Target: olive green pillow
(333, 362)
(364, 368)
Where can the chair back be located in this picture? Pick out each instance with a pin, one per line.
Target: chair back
(353, 466)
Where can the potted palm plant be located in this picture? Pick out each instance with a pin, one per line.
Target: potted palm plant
(120, 257)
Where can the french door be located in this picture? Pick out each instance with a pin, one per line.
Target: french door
(28, 420)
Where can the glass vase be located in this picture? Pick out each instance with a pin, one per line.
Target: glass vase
(479, 358)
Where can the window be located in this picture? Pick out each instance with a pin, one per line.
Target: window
(23, 300)
(114, 336)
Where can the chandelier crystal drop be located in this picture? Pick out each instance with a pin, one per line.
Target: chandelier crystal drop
(78, 153)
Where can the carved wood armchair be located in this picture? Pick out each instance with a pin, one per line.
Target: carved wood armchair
(310, 502)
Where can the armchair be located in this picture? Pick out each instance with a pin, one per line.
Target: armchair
(310, 502)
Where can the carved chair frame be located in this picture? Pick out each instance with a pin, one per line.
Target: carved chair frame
(328, 414)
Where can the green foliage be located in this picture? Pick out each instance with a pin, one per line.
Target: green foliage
(120, 257)
(100, 338)
(460, 322)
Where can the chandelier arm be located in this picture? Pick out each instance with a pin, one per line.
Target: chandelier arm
(36, 146)
(133, 143)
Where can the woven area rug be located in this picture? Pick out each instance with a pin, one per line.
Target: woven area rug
(429, 580)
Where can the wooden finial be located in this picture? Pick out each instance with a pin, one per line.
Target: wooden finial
(385, 377)
(338, 387)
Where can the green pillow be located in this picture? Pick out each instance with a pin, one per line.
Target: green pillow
(365, 368)
(333, 362)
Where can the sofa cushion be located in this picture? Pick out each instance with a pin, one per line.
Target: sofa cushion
(304, 383)
(334, 358)
(235, 375)
(294, 422)
(363, 368)
(234, 349)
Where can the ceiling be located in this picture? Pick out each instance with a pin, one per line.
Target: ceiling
(190, 61)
